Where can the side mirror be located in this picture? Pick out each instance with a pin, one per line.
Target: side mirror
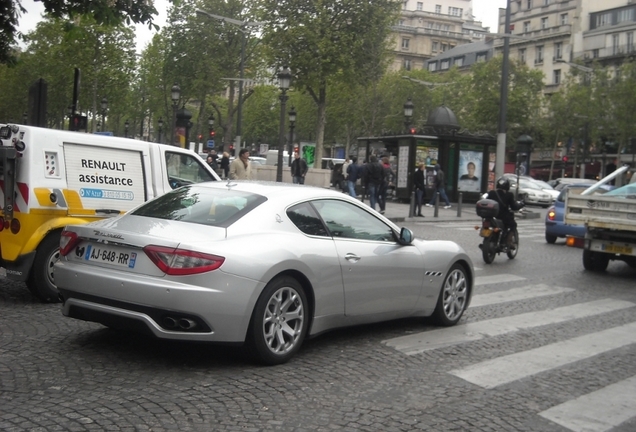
(406, 237)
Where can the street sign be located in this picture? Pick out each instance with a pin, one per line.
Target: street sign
(210, 143)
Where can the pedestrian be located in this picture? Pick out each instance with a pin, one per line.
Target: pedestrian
(439, 187)
(353, 173)
(240, 168)
(211, 161)
(420, 187)
(345, 176)
(225, 164)
(374, 177)
(299, 169)
(384, 187)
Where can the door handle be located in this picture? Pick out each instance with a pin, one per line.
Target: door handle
(352, 257)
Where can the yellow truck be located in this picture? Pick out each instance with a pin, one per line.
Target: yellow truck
(50, 178)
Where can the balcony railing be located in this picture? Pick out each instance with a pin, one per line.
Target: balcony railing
(611, 51)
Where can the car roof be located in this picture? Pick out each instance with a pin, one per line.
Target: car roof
(274, 189)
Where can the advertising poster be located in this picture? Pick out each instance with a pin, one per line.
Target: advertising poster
(491, 171)
(428, 155)
(470, 168)
(308, 152)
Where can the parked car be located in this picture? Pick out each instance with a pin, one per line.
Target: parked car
(543, 185)
(560, 183)
(555, 226)
(266, 264)
(531, 193)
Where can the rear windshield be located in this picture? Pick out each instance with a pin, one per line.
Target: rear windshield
(201, 205)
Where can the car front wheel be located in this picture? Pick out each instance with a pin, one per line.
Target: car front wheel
(279, 322)
(453, 298)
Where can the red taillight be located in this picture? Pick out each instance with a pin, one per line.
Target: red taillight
(68, 240)
(551, 214)
(179, 262)
(15, 226)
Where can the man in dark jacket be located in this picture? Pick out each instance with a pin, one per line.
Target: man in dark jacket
(440, 186)
(374, 176)
(299, 169)
(507, 205)
(353, 174)
(420, 187)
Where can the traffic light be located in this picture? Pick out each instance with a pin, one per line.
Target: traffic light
(412, 131)
(212, 134)
(79, 122)
(232, 149)
(200, 137)
(564, 159)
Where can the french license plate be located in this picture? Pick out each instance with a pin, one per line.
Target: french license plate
(612, 248)
(485, 232)
(110, 255)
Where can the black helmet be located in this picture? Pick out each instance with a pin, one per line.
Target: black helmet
(503, 183)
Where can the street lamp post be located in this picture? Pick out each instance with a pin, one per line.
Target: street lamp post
(104, 109)
(503, 101)
(126, 126)
(174, 95)
(160, 124)
(408, 113)
(284, 79)
(242, 26)
(99, 126)
(292, 122)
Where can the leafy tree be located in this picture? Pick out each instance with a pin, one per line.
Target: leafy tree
(324, 42)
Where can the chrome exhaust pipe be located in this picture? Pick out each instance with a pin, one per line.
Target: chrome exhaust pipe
(169, 322)
(187, 324)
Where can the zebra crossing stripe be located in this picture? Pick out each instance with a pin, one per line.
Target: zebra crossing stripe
(516, 294)
(499, 278)
(503, 370)
(598, 411)
(445, 337)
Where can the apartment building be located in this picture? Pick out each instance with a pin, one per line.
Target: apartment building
(427, 28)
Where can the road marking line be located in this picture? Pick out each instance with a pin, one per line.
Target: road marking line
(499, 278)
(503, 370)
(598, 411)
(516, 294)
(425, 341)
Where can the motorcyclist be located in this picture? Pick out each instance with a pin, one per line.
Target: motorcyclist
(507, 204)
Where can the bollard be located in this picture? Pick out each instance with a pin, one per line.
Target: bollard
(459, 205)
(436, 212)
(412, 206)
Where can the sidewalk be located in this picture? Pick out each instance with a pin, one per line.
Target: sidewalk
(399, 212)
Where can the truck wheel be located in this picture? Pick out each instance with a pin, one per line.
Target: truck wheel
(40, 281)
(595, 261)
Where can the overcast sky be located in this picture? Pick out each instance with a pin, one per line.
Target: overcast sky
(484, 10)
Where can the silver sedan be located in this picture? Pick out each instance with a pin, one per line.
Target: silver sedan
(268, 264)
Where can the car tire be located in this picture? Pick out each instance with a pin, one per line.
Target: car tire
(40, 281)
(453, 297)
(550, 238)
(595, 261)
(279, 321)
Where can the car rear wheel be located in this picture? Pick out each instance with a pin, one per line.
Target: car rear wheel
(40, 281)
(550, 238)
(279, 322)
(595, 261)
(453, 298)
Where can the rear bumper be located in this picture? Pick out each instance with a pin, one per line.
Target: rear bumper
(559, 229)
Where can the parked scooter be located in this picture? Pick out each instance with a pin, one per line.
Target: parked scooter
(492, 230)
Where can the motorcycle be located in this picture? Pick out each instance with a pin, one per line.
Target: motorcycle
(491, 230)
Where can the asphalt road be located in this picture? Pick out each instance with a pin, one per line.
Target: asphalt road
(546, 346)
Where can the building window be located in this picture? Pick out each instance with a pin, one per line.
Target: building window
(558, 50)
(557, 76)
(544, 23)
(546, 3)
(432, 66)
(526, 27)
(595, 53)
(564, 19)
(401, 22)
(539, 54)
(459, 61)
(405, 43)
(626, 15)
(444, 47)
(407, 64)
(528, 4)
(481, 57)
(435, 46)
(614, 44)
(522, 55)
(404, 4)
(446, 27)
(603, 19)
(453, 11)
(438, 9)
(444, 64)
(630, 42)
(420, 6)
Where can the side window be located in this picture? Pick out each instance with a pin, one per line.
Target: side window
(306, 219)
(185, 169)
(346, 220)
